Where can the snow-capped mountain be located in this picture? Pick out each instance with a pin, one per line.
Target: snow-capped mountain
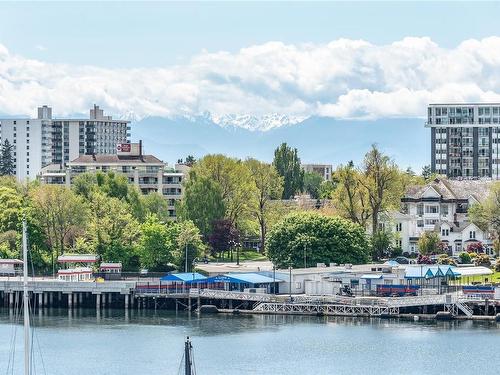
(255, 123)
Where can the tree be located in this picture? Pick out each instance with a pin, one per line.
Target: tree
(190, 160)
(312, 184)
(155, 204)
(381, 183)
(329, 239)
(234, 179)
(268, 185)
(426, 172)
(7, 165)
(189, 245)
(287, 163)
(154, 248)
(475, 247)
(112, 230)
(350, 197)
(10, 209)
(428, 243)
(202, 203)
(381, 244)
(486, 215)
(60, 214)
(326, 189)
(224, 237)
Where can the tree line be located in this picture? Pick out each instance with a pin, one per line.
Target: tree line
(225, 200)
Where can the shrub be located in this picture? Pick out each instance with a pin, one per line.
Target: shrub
(424, 259)
(482, 260)
(497, 265)
(475, 247)
(445, 259)
(465, 257)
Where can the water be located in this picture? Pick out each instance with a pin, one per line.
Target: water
(149, 343)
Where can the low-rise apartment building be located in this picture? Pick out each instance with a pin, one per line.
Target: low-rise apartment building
(324, 170)
(441, 206)
(147, 172)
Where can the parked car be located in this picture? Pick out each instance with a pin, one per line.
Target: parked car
(401, 260)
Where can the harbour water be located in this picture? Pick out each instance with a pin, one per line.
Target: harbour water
(152, 343)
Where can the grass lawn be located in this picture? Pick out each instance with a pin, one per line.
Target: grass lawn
(244, 256)
(493, 278)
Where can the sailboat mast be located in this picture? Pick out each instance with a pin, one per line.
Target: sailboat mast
(187, 357)
(27, 350)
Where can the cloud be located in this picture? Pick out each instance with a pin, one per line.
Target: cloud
(343, 79)
(41, 47)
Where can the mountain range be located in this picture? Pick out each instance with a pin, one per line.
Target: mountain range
(318, 139)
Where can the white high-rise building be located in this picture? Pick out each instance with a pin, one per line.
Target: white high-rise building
(45, 140)
(465, 140)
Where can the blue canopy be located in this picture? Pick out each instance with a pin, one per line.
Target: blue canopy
(184, 277)
(430, 271)
(241, 278)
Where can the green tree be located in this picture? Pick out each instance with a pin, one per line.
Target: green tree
(268, 185)
(429, 243)
(188, 244)
(382, 183)
(486, 215)
(113, 231)
(155, 204)
(326, 189)
(154, 247)
(7, 165)
(10, 209)
(329, 239)
(382, 244)
(60, 214)
(287, 163)
(202, 203)
(234, 179)
(312, 184)
(350, 196)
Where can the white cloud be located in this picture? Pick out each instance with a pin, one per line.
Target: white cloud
(344, 78)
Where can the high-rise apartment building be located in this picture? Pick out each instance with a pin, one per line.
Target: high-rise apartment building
(465, 139)
(45, 140)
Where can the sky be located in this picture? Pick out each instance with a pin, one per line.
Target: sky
(356, 60)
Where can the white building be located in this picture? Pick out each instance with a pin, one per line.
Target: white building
(147, 172)
(440, 206)
(45, 140)
(465, 139)
(324, 170)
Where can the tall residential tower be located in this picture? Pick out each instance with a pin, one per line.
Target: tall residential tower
(465, 140)
(45, 140)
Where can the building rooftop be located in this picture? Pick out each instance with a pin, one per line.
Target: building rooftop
(116, 159)
(453, 189)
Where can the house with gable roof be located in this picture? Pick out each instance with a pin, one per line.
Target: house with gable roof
(440, 206)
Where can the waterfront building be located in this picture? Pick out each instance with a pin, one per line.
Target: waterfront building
(147, 172)
(465, 140)
(44, 140)
(440, 206)
(324, 170)
(10, 267)
(77, 267)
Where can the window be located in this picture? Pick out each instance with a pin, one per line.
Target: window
(445, 232)
(420, 209)
(398, 227)
(420, 223)
(431, 209)
(472, 234)
(444, 210)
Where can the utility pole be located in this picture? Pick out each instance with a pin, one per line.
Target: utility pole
(186, 264)
(305, 259)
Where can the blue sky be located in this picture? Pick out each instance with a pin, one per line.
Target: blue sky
(356, 60)
(138, 34)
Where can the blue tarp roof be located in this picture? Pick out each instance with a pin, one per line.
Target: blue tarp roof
(185, 276)
(242, 278)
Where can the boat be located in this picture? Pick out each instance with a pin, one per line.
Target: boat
(189, 368)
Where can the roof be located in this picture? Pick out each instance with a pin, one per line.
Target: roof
(110, 265)
(452, 189)
(77, 258)
(115, 159)
(11, 261)
(430, 271)
(372, 276)
(242, 278)
(474, 271)
(184, 276)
